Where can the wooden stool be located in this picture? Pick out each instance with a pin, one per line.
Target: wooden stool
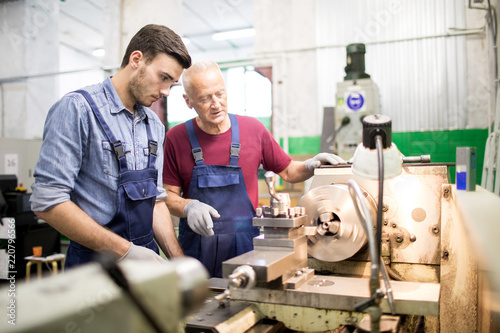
(40, 260)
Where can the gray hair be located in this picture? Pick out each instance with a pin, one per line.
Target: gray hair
(196, 68)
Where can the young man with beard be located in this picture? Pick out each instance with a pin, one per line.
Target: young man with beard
(98, 180)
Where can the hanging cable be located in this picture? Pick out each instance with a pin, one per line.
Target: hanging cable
(380, 154)
(367, 223)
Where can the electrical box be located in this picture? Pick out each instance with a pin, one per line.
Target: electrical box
(356, 99)
(466, 168)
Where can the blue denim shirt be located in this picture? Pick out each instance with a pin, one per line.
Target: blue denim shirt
(77, 161)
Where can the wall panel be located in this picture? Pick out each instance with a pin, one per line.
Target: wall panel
(412, 54)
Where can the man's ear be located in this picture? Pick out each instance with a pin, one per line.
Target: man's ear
(135, 59)
(186, 98)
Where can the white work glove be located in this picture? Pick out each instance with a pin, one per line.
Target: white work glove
(323, 158)
(199, 217)
(141, 253)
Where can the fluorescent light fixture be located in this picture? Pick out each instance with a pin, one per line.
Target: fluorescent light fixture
(234, 34)
(98, 53)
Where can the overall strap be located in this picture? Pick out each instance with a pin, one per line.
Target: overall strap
(235, 140)
(116, 144)
(195, 145)
(152, 145)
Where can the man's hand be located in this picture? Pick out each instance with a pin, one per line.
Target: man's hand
(199, 217)
(141, 253)
(323, 158)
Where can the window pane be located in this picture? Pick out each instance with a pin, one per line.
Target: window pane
(248, 93)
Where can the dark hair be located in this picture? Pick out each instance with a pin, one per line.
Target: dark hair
(153, 39)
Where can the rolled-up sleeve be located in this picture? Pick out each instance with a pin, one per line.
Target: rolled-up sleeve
(45, 196)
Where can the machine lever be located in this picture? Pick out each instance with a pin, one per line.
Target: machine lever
(417, 159)
(364, 305)
(221, 297)
(388, 288)
(374, 300)
(270, 181)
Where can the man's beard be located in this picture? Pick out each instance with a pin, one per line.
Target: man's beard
(137, 88)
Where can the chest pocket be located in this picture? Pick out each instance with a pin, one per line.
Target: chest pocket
(141, 190)
(218, 176)
(109, 160)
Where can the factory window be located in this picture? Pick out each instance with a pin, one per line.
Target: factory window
(248, 93)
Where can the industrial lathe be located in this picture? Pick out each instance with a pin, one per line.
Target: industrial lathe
(312, 268)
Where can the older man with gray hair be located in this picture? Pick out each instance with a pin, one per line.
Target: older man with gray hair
(210, 170)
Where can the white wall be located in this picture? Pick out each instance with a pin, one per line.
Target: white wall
(281, 26)
(431, 76)
(70, 63)
(412, 53)
(19, 157)
(37, 69)
(29, 48)
(428, 79)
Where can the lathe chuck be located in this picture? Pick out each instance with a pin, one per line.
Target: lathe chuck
(340, 233)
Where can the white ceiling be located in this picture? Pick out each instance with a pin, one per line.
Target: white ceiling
(81, 24)
(201, 19)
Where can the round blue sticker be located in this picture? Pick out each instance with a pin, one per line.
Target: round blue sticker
(355, 101)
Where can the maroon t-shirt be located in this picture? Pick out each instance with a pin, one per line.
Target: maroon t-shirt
(257, 147)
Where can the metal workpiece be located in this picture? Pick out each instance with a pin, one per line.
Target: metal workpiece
(280, 222)
(269, 263)
(292, 243)
(340, 233)
(273, 232)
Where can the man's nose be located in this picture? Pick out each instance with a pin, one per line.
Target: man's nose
(216, 102)
(165, 91)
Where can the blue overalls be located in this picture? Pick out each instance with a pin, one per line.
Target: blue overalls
(135, 197)
(222, 187)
